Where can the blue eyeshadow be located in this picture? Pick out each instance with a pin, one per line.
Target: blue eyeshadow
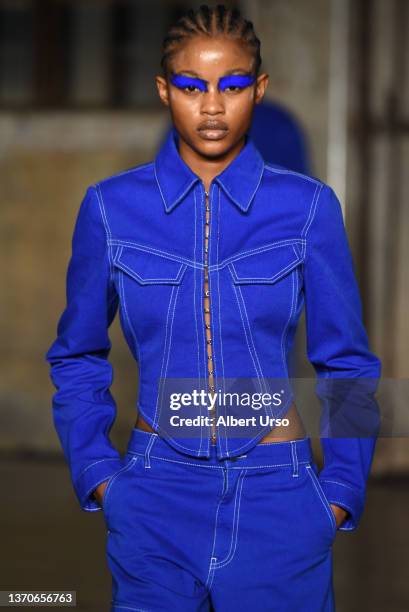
(232, 80)
(236, 80)
(182, 81)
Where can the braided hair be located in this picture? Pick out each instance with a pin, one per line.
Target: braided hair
(210, 21)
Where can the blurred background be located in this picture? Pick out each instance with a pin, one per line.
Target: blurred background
(78, 103)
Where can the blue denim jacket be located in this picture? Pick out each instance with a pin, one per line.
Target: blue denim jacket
(277, 242)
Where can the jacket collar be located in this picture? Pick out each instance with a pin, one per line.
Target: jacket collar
(239, 180)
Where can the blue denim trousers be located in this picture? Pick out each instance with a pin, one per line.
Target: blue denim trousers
(188, 534)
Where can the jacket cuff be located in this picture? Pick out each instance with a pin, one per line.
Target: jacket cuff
(347, 497)
(91, 477)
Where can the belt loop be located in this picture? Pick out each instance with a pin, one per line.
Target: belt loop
(148, 450)
(294, 457)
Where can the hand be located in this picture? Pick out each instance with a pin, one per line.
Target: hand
(99, 491)
(340, 514)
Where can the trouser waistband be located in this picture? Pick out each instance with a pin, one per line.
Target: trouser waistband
(270, 454)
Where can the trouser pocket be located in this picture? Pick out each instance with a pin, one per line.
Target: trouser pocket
(322, 501)
(109, 495)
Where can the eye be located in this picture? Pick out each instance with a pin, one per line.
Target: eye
(190, 89)
(236, 83)
(233, 88)
(188, 85)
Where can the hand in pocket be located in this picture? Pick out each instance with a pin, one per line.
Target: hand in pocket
(99, 491)
(339, 513)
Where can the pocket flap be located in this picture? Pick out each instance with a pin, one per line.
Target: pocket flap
(149, 268)
(266, 266)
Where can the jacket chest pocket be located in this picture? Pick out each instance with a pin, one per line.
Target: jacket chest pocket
(148, 268)
(265, 267)
(266, 283)
(148, 285)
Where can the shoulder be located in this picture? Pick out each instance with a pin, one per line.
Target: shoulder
(293, 189)
(118, 193)
(304, 196)
(137, 177)
(280, 175)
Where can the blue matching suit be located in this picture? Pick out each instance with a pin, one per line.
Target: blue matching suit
(236, 525)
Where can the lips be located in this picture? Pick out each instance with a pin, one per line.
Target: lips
(212, 130)
(213, 134)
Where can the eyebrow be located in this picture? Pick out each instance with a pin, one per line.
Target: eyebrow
(228, 72)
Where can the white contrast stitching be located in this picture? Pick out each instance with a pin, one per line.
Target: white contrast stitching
(203, 327)
(342, 484)
(293, 172)
(163, 355)
(107, 228)
(170, 279)
(265, 279)
(149, 249)
(235, 289)
(265, 247)
(195, 307)
(161, 429)
(234, 539)
(95, 462)
(212, 558)
(127, 319)
(284, 333)
(199, 264)
(321, 495)
(214, 360)
(294, 457)
(107, 489)
(253, 343)
(220, 467)
(124, 172)
(167, 353)
(220, 320)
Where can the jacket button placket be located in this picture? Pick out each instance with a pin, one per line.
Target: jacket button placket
(206, 301)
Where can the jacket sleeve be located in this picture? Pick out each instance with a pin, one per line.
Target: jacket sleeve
(83, 407)
(337, 347)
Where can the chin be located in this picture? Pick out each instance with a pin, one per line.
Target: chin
(214, 148)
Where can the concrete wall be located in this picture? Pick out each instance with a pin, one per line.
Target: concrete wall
(295, 50)
(46, 163)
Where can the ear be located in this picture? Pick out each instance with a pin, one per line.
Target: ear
(163, 89)
(261, 86)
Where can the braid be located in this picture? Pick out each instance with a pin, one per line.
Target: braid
(210, 21)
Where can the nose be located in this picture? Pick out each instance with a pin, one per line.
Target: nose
(212, 102)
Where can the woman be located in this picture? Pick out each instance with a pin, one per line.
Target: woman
(209, 254)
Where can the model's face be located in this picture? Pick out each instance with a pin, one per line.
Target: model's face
(211, 91)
